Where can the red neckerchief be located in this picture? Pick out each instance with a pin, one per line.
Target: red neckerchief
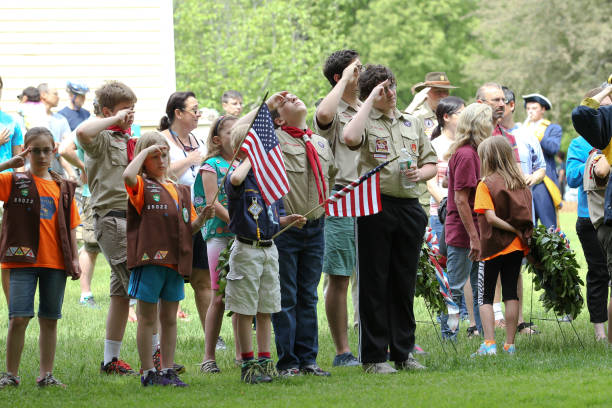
(313, 157)
(116, 128)
(131, 142)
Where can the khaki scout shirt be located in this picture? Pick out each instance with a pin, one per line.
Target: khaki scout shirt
(303, 195)
(105, 162)
(345, 159)
(383, 139)
(595, 189)
(428, 117)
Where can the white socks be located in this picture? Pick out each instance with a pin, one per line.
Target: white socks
(111, 350)
(453, 318)
(498, 311)
(85, 295)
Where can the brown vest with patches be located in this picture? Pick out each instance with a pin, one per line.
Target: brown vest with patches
(161, 233)
(514, 207)
(21, 221)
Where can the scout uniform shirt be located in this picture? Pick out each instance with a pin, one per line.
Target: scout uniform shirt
(428, 117)
(303, 195)
(383, 139)
(344, 157)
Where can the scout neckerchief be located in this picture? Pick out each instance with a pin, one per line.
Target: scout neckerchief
(313, 157)
(131, 143)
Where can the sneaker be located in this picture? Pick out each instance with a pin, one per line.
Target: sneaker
(509, 348)
(485, 350)
(209, 366)
(409, 364)
(172, 379)
(379, 368)
(251, 373)
(345, 360)
(314, 369)
(49, 381)
(289, 372)
(9, 380)
(268, 367)
(89, 302)
(418, 350)
(116, 366)
(220, 344)
(151, 379)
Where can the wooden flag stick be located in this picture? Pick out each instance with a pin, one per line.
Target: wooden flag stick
(240, 145)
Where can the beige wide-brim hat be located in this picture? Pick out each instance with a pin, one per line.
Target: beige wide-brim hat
(434, 80)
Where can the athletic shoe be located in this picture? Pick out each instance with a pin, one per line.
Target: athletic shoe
(209, 366)
(485, 350)
(49, 381)
(289, 372)
(172, 378)
(345, 360)
(9, 380)
(418, 350)
(251, 373)
(89, 302)
(378, 368)
(267, 367)
(152, 378)
(509, 348)
(409, 364)
(116, 366)
(220, 344)
(314, 369)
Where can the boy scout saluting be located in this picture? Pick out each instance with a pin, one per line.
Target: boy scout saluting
(390, 240)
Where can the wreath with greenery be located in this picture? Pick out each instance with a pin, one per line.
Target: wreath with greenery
(555, 269)
(427, 285)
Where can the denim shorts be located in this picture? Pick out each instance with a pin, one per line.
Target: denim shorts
(51, 286)
(150, 283)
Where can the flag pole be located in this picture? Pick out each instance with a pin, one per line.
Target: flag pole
(315, 208)
(240, 145)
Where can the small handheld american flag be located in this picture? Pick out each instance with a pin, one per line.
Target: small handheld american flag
(358, 199)
(262, 147)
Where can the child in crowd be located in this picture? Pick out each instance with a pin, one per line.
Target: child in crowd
(253, 287)
(38, 244)
(231, 102)
(160, 251)
(216, 232)
(503, 204)
(105, 142)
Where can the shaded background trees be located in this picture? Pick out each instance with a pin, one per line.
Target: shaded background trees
(555, 47)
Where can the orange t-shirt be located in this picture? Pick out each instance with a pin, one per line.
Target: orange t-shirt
(136, 197)
(49, 250)
(483, 202)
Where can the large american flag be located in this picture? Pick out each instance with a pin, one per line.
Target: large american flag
(263, 149)
(358, 199)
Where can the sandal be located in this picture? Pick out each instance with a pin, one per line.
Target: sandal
(472, 332)
(529, 327)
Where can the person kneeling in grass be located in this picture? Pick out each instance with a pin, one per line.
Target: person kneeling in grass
(38, 245)
(503, 205)
(160, 223)
(253, 287)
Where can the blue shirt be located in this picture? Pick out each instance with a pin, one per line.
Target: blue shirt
(74, 117)
(16, 137)
(242, 220)
(577, 155)
(81, 155)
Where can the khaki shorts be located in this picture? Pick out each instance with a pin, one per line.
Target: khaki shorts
(89, 237)
(252, 283)
(110, 232)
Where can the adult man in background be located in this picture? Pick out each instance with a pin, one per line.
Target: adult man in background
(75, 113)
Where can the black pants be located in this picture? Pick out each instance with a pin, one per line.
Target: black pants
(598, 273)
(389, 245)
(509, 266)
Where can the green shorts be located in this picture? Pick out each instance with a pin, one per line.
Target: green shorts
(340, 254)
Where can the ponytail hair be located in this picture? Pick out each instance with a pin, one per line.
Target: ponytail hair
(176, 101)
(446, 106)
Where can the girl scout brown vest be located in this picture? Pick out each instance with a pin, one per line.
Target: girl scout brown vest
(514, 207)
(161, 233)
(21, 221)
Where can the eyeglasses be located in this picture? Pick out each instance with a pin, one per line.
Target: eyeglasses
(195, 111)
(38, 151)
(495, 100)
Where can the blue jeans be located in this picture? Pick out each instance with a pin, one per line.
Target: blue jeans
(300, 261)
(458, 268)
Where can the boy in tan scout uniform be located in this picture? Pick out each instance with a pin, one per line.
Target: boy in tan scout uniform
(105, 142)
(391, 240)
(310, 164)
(335, 110)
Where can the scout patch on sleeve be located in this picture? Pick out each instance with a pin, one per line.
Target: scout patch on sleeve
(413, 147)
(429, 123)
(407, 123)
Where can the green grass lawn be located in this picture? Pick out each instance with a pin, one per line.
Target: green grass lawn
(547, 370)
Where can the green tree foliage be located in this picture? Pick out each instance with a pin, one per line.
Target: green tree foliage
(558, 48)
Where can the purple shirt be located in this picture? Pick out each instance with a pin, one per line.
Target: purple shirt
(463, 172)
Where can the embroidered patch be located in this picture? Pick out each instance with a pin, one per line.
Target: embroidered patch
(407, 123)
(25, 192)
(19, 252)
(255, 208)
(161, 255)
(198, 200)
(429, 123)
(413, 147)
(47, 208)
(382, 146)
(185, 214)
(321, 144)
(156, 198)
(380, 156)
(29, 253)
(145, 257)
